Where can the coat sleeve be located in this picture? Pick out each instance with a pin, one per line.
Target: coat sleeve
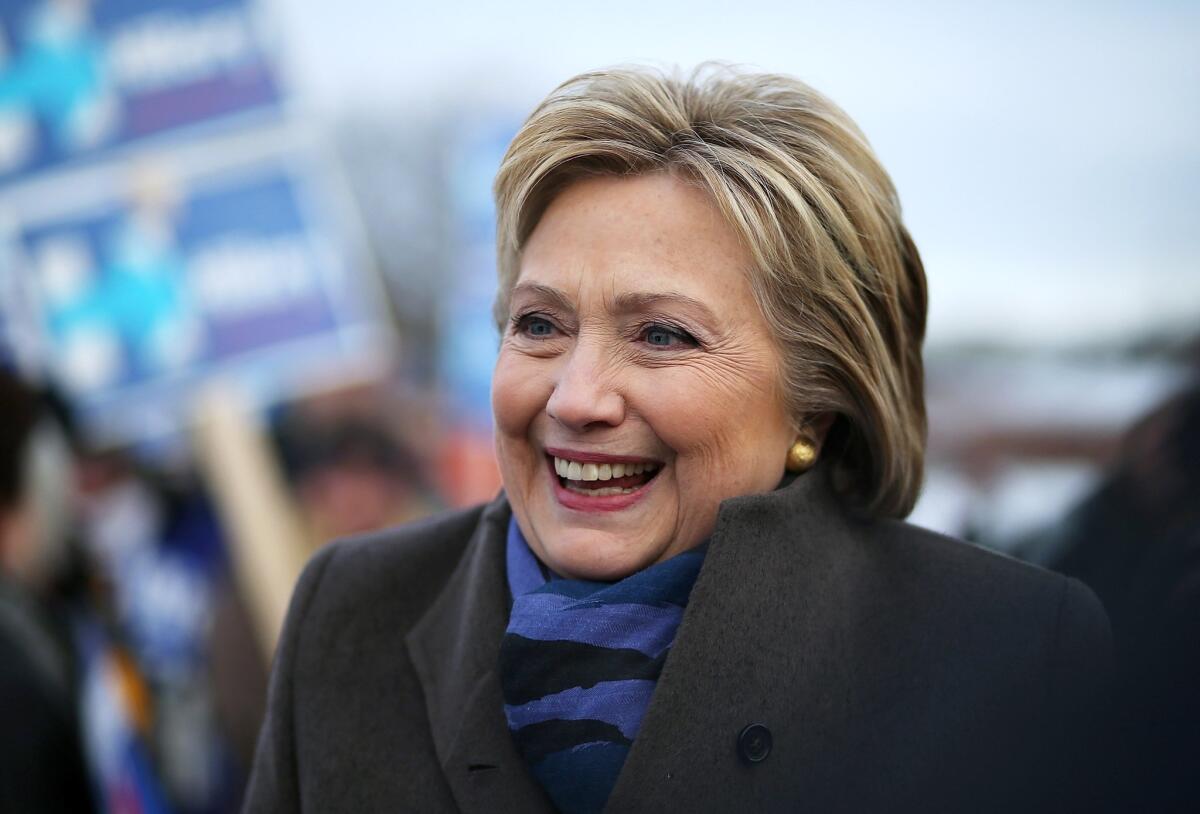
(1081, 692)
(274, 779)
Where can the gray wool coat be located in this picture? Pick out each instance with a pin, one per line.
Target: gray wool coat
(892, 668)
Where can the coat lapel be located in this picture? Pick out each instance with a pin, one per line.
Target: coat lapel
(455, 648)
(767, 583)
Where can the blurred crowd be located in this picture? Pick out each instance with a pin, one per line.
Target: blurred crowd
(133, 671)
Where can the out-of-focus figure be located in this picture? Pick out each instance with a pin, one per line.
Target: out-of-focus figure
(158, 553)
(1135, 541)
(42, 767)
(350, 475)
(107, 578)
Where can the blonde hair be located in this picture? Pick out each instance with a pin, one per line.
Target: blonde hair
(834, 270)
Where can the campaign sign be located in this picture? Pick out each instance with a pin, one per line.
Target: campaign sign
(139, 299)
(79, 78)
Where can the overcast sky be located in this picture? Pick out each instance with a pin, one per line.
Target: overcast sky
(1047, 154)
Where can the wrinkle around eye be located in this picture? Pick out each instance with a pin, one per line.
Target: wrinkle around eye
(535, 346)
(726, 367)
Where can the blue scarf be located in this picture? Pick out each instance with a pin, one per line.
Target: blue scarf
(578, 665)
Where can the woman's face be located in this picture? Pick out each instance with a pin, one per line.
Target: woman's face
(637, 383)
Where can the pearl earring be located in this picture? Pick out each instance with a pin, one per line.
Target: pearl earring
(801, 455)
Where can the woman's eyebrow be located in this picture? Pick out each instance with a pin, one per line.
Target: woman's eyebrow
(543, 292)
(636, 301)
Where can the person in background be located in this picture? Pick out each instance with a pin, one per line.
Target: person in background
(1135, 541)
(42, 766)
(349, 473)
(159, 556)
(103, 620)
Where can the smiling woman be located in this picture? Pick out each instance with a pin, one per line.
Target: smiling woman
(634, 342)
(696, 592)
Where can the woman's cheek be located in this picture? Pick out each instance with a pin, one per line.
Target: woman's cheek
(517, 394)
(678, 405)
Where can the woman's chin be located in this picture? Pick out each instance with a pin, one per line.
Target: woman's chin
(596, 556)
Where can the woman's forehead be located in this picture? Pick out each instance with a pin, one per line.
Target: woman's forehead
(651, 210)
(634, 241)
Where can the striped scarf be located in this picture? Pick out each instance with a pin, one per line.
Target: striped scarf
(578, 665)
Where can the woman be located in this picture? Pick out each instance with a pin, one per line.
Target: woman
(696, 592)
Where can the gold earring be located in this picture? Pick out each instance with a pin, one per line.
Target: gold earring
(801, 455)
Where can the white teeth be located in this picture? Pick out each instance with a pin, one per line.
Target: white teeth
(588, 472)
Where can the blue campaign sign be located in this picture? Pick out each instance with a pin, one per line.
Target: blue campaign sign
(141, 298)
(81, 77)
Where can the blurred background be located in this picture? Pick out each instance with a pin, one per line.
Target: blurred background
(246, 270)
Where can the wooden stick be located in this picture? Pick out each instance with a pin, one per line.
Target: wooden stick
(241, 470)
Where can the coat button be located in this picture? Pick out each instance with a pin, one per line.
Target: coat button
(754, 744)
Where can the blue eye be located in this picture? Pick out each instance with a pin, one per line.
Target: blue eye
(535, 327)
(660, 336)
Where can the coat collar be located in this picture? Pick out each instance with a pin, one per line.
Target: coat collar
(770, 568)
(455, 648)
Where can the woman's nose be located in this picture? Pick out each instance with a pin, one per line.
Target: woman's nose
(586, 394)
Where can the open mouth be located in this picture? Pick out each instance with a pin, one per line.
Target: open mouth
(603, 479)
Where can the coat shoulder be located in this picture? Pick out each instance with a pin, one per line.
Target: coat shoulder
(965, 560)
(344, 699)
(400, 569)
(961, 575)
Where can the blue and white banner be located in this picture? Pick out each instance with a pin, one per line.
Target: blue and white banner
(163, 220)
(142, 295)
(81, 78)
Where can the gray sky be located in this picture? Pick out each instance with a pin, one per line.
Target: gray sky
(1047, 154)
